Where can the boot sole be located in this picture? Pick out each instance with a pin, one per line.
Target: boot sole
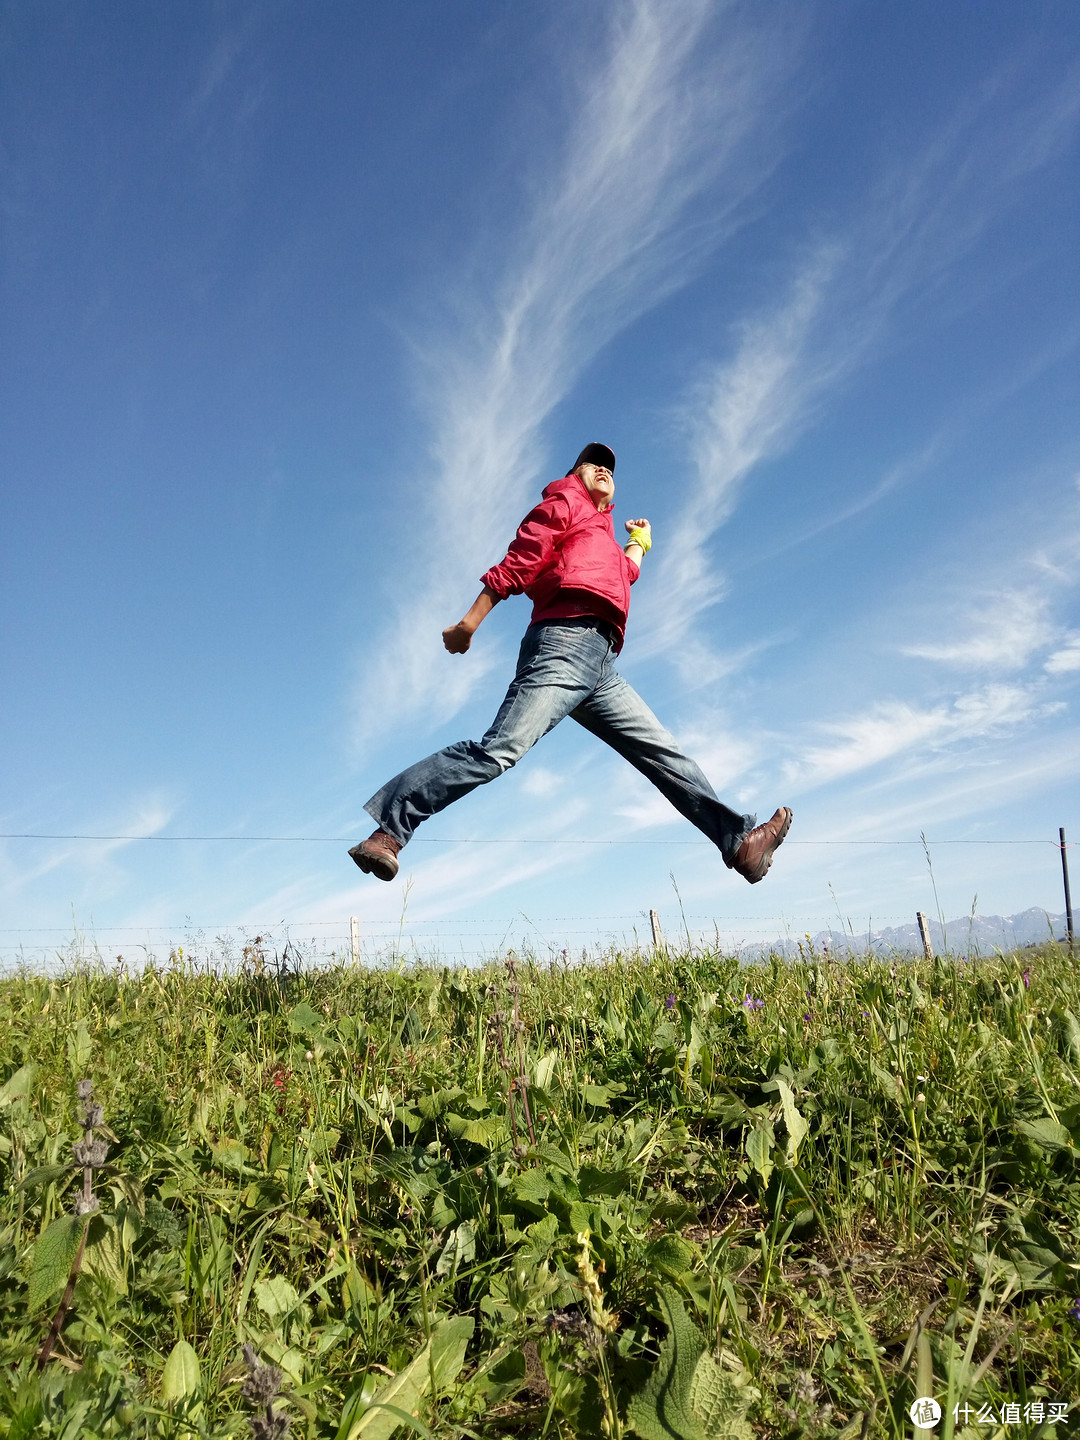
(381, 866)
(767, 858)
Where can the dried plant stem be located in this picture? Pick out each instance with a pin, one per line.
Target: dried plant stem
(504, 1065)
(90, 1154)
(523, 1083)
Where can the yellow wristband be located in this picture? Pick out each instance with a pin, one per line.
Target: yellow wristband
(642, 538)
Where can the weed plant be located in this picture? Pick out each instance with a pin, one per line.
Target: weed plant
(663, 1196)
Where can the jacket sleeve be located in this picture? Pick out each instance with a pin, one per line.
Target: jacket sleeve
(633, 569)
(532, 549)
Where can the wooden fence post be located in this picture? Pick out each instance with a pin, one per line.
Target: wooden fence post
(924, 931)
(1065, 877)
(657, 935)
(354, 938)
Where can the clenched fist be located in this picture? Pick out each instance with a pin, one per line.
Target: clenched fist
(457, 638)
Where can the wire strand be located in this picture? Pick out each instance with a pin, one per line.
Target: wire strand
(471, 840)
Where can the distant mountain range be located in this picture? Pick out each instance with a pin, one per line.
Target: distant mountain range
(983, 935)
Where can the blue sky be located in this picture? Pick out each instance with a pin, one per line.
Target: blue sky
(303, 305)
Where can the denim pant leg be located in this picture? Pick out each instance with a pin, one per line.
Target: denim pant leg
(616, 714)
(559, 664)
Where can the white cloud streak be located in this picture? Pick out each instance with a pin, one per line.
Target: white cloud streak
(892, 728)
(660, 120)
(86, 860)
(1067, 659)
(1003, 634)
(750, 408)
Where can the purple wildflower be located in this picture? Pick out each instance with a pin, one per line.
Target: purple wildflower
(671, 1002)
(1026, 978)
(807, 1015)
(751, 1002)
(867, 1012)
(1074, 1309)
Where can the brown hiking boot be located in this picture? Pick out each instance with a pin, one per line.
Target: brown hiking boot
(754, 855)
(377, 855)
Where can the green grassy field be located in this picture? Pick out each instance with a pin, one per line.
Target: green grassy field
(662, 1197)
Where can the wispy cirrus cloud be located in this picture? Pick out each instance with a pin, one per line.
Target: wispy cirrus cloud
(1002, 633)
(890, 729)
(662, 119)
(87, 860)
(1066, 659)
(746, 410)
(916, 225)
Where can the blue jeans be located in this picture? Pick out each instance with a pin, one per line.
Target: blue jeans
(564, 668)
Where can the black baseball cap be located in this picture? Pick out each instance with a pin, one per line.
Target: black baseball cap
(595, 454)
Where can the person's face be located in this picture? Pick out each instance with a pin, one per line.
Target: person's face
(599, 483)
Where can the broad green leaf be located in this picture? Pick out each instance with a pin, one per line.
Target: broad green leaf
(180, 1378)
(287, 1358)
(1047, 1133)
(552, 1155)
(459, 1249)
(275, 1153)
(356, 1289)
(717, 1402)
(276, 1297)
(434, 1105)
(320, 1141)
(45, 1175)
(400, 1417)
(600, 1096)
(54, 1255)
(759, 1144)
(303, 1020)
(1019, 1273)
(797, 1127)
(687, 1396)
(438, 1364)
(79, 1048)
(540, 1235)
(489, 1132)
(661, 1408)
(443, 1211)
(19, 1086)
(603, 1182)
(1069, 1028)
(229, 1154)
(671, 1255)
(890, 1085)
(104, 1255)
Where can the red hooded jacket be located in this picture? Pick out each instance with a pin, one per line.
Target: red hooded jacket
(566, 559)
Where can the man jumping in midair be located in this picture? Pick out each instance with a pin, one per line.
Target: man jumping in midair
(566, 559)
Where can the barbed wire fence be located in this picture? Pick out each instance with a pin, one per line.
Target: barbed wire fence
(374, 941)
